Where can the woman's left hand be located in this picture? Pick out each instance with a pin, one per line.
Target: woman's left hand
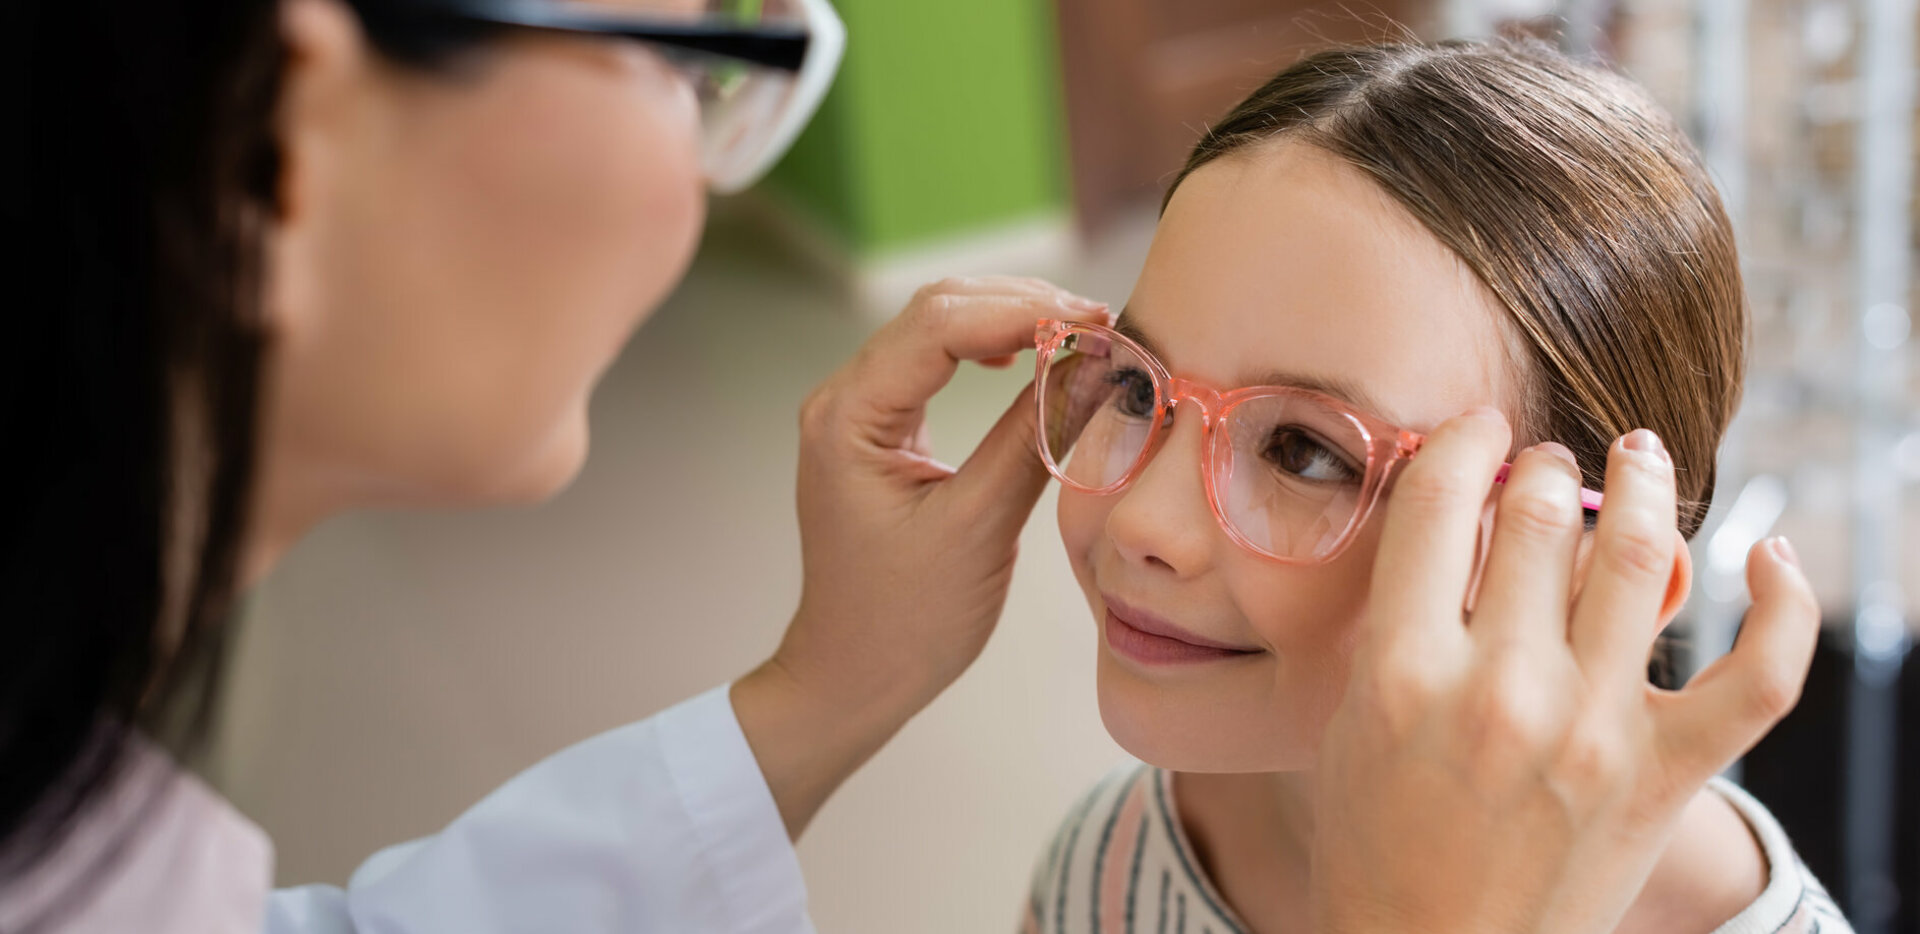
(1511, 770)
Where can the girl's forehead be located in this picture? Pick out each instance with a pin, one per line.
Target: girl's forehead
(1286, 262)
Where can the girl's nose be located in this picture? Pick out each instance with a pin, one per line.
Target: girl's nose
(1162, 519)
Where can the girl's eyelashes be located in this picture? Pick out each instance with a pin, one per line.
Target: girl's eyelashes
(1135, 397)
(1295, 451)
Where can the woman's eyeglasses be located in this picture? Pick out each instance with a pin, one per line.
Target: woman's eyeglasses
(759, 67)
(1291, 474)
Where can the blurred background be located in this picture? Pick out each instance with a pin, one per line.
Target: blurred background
(398, 667)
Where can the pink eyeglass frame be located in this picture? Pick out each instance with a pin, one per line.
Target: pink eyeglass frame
(1386, 444)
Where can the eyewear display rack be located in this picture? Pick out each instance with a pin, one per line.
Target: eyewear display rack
(1883, 199)
(1804, 110)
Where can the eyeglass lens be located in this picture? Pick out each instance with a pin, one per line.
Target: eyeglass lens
(1289, 472)
(740, 103)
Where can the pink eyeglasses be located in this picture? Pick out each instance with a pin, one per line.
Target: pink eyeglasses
(1290, 473)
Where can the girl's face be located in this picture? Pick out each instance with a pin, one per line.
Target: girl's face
(1276, 265)
(461, 253)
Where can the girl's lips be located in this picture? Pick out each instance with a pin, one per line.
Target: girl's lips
(1153, 641)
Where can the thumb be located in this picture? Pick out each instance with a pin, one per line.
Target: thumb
(1002, 479)
(1734, 701)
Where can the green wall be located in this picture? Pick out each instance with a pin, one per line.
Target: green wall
(945, 118)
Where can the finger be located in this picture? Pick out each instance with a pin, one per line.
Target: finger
(1002, 479)
(1427, 546)
(1618, 613)
(889, 382)
(922, 441)
(1526, 590)
(998, 363)
(1733, 702)
(1028, 286)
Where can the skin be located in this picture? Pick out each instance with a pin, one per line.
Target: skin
(433, 348)
(458, 257)
(1249, 259)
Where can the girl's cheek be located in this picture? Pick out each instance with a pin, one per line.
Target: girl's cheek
(1083, 521)
(1306, 612)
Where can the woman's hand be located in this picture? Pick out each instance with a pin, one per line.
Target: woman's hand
(1512, 770)
(907, 561)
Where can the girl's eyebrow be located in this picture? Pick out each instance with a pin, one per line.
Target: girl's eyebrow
(1344, 390)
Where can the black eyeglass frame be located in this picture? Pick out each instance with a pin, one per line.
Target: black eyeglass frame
(781, 46)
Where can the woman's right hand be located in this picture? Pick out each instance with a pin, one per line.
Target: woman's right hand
(907, 560)
(1510, 769)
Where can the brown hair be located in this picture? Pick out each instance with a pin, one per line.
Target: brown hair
(1574, 198)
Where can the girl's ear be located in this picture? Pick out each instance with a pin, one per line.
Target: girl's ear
(1679, 581)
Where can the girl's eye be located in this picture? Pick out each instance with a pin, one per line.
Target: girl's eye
(1132, 392)
(1295, 451)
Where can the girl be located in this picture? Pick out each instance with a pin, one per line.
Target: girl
(1376, 239)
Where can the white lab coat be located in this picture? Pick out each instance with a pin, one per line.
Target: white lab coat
(665, 825)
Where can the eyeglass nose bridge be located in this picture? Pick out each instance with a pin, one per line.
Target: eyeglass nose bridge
(1212, 406)
(1174, 391)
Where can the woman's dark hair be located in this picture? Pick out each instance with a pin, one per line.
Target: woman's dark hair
(142, 170)
(1575, 199)
(146, 170)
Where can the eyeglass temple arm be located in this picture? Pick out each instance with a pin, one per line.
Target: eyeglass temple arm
(1589, 500)
(1409, 444)
(773, 45)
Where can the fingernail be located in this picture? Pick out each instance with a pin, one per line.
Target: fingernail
(1784, 549)
(1483, 411)
(1645, 442)
(1558, 450)
(1083, 302)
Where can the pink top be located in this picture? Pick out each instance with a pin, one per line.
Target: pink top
(196, 866)
(665, 825)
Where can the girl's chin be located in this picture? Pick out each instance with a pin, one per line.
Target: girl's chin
(1185, 732)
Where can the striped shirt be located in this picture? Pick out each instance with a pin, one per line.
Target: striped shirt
(1121, 864)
